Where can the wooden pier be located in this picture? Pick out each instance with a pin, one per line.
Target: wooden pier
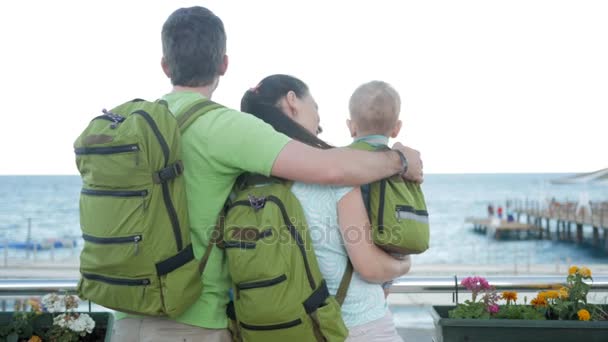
(562, 221)
(502, 228)
(570, 220)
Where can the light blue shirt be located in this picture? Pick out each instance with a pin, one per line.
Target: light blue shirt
(375, 139)
(364, 301)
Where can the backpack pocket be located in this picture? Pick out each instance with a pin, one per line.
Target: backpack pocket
(105, 211)
(140, 294)
(291, 330)
(325, 320)
(260, 274)
(180, 281)
(116, 251)
(113, 166)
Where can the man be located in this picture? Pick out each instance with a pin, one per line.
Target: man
(216, 149)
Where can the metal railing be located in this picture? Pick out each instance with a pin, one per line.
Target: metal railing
(443, 284)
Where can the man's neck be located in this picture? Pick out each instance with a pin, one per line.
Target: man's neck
(206, 91)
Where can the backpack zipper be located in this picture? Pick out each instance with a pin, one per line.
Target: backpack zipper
(136, 239)
(115, 193)
(165, 186)
(261, 283)
(119, 193)
(106, 149)
(381, 206)
(285, 325)
(117, 281)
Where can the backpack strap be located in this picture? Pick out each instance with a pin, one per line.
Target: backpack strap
(215, 239)
(344, 283)
(365, 193)
(199, 108)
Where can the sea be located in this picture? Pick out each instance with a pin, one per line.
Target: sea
(45, 208)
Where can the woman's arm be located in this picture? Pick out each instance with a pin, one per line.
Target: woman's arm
(372, 263)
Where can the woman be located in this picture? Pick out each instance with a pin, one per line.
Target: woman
(336, 216)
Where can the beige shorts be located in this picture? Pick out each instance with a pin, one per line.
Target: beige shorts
(151, 329)
(381, 330)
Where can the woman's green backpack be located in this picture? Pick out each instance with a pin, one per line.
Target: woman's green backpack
(137, 254)
(397, 212)
(279, 292)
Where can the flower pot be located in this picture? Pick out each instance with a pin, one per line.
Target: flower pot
(102, 332)
(509, 330)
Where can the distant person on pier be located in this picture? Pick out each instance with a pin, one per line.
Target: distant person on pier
(499, 212)
(583, 207)
(490, 210)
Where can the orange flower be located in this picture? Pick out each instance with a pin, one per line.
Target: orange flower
(34, 338)
(551, 294)
(539, 301)
(35, 305)
(572, 270)
(584, 272)
(509, 296)
(583, 315)
(563, 293)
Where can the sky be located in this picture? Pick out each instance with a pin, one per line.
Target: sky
(487, 86)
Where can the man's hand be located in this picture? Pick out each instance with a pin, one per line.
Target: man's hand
(414, 168)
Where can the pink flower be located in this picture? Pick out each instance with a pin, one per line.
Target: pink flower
(475, 284)
(493, 308)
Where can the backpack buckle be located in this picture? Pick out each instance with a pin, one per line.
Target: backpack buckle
(257, 203)
(114, 118)
(169, 172)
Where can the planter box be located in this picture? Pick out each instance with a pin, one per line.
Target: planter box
(510, 330)
(103, 320)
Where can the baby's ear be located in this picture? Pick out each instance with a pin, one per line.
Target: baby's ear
(352, 127)
(396, 129)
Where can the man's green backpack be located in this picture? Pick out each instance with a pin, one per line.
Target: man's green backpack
(279, 292)
(397, 211)
(137, 254)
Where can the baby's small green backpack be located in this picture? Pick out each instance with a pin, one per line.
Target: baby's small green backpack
(397, 211)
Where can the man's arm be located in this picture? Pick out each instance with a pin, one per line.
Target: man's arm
(343, 166)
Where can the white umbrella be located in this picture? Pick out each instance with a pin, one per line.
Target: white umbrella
(599, 176)
(596, 177)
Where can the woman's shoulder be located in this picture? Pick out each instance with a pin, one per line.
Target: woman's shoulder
(320, 192)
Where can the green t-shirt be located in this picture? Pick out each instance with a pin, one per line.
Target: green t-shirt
(216, 149)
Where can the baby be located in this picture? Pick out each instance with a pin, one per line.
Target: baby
(374, 118)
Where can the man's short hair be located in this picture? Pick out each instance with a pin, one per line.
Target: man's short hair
(375, 107)
(194, 45)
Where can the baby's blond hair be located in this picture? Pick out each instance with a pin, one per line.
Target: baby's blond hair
(375, 107)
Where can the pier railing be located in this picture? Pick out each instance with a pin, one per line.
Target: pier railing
(594, 213)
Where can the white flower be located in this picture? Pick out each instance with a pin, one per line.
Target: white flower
(61, 320)
(53, 303)
(83, 324)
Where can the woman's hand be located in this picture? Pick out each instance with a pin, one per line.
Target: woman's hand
(414, 163)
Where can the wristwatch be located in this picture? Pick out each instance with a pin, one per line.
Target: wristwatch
(404, 163)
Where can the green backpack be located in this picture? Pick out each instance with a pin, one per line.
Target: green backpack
(279, 292)
(397, 211)
(137, 256)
